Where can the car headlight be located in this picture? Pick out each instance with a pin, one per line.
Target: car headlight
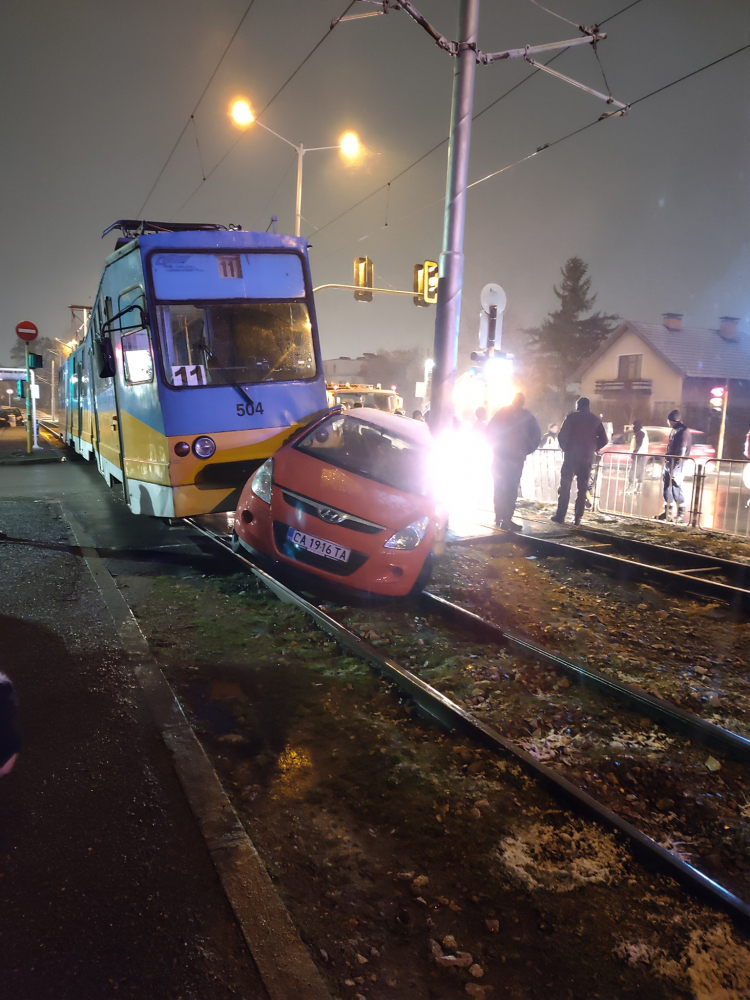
(410, 536)
(204, 447)
(262, 480)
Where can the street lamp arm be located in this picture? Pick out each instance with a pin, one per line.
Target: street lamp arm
(317, 149)
(489, 57)
(277, 135)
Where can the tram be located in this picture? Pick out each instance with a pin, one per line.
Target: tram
(200, 357)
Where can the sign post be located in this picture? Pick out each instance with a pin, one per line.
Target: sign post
(27, 332)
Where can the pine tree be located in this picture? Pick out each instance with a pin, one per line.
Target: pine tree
(565, 339)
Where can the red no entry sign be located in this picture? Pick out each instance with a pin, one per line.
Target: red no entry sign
(27, 331)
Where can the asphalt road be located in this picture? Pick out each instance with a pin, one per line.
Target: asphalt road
(106, 888)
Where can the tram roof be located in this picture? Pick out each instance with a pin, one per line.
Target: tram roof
(212, 239)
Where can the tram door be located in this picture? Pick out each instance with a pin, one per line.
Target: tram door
(141, 430)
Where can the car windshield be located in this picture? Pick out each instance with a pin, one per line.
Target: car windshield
(369, 451)
(375, 400)
(218, 343)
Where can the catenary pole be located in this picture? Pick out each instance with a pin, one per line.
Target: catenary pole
(448, 311)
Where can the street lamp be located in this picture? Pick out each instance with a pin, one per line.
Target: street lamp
(10, 396)
(349, 146)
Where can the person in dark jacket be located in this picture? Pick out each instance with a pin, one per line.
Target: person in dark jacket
(678, 449)
(513, 434)
(10, 742)
(581, 436)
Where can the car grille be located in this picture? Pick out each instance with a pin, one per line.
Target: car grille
(356, 559)
(335, 516)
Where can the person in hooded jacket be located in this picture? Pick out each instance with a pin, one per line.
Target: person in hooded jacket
(678, 449)
(513, 433)
(581, 436)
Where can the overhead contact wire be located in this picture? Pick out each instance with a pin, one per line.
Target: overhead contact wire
(555, 142)
(192, 113)
(492, 104)
(285, 84)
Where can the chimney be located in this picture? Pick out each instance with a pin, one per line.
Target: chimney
(672, 321)
(728, 327)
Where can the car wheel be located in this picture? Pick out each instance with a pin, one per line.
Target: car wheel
(425, 575)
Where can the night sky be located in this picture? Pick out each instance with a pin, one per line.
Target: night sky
(97, 92)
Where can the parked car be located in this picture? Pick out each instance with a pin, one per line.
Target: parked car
(348, 500)
(7, 411)
(658, 438)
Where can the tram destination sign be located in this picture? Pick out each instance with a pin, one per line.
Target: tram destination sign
(27, 331)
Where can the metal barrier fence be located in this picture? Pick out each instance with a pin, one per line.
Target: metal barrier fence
(540, 479)
(633, 485)
(723, 497)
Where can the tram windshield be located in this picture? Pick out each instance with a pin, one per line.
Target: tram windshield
(220, 343)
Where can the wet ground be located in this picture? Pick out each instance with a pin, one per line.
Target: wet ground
(407, 857)
(106, 889)
(414, 864)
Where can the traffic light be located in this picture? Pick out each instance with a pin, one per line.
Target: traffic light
(431, 281)
(21, 388)
(425, 283)
(36, 360)
(717, 397)
(363, 278)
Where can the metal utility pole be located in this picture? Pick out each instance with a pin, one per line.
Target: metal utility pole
(448, 311)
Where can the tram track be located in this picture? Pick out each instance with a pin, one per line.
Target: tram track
(681, 570)
(435, 705)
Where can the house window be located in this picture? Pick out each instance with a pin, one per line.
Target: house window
(629, 367)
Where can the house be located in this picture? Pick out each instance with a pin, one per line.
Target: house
(644, 370)
(344, 369)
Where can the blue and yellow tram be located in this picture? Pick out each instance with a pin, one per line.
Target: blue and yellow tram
(201, 354)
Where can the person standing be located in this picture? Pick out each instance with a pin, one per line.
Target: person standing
(638, 446)
(550, 436)
(678, 449)
(513, 433)
(581, 436)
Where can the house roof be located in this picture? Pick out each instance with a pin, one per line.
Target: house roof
(693, 352)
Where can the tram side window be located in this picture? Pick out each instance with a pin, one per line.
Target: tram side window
(136, 358)
(74, 378)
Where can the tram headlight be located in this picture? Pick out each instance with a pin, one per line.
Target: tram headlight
(204, 447)
(408, 537)
(182, 448)
(262, 481)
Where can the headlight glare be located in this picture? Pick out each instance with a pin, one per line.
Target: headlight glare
(204, 447)
(262, 481)
(408, 537)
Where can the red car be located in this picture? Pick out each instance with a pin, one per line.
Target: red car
(349, 500)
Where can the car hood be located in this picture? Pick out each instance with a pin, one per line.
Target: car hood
(347, 491)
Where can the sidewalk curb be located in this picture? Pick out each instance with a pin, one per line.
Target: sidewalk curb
(34, 460)
(284, 963)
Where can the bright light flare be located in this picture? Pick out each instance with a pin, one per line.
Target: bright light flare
(462, 477)
(241, 113)
(350, 145)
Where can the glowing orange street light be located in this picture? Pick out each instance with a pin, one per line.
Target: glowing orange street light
(241, 113)
(349, 146)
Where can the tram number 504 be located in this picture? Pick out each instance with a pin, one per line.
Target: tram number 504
(249, 409)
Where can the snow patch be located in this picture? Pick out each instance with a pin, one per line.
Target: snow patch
(563, 858)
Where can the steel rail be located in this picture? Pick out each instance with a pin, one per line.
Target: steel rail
(447, 713)
(635, 569)
(655, 708)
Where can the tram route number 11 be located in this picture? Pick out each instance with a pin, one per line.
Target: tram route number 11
(185, 375)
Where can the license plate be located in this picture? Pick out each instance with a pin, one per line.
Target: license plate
(319, 546)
